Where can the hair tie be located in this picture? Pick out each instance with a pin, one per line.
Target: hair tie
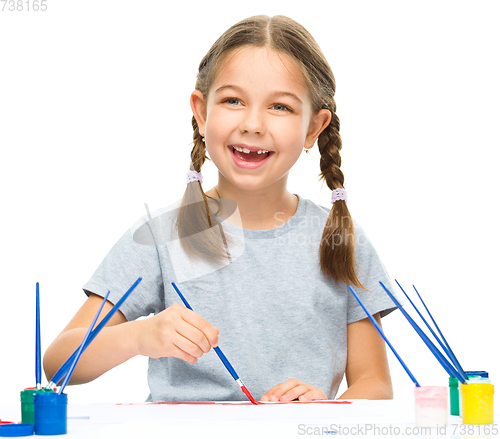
(339, 194)
(193, 176)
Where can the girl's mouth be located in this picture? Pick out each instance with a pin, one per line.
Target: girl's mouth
(244, 158)
(250, 156)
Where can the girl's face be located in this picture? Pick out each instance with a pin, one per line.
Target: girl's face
(257, 118)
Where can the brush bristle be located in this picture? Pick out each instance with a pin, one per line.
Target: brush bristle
(249, 396)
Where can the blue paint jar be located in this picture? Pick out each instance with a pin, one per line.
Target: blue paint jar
(51, 413)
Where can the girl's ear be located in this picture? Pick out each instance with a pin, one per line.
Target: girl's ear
(318, 123)
(199, 108)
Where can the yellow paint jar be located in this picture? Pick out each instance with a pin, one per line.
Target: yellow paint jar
(477, 403)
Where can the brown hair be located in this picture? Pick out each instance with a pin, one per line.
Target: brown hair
(280, 33)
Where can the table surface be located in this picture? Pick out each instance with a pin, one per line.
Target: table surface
(360, 418)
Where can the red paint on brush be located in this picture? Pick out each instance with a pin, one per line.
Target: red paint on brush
(249, 396)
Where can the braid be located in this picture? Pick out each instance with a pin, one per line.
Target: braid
(337, 249)
(196, 221)
(330, 144)
(198, 155)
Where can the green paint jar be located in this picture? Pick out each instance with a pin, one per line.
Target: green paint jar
(454, 397)
(28, 406)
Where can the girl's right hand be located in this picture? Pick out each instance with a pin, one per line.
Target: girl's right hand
(176, 332)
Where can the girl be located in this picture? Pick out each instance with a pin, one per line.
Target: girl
(269, 277)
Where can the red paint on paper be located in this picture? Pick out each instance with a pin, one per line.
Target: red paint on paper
(233, 403)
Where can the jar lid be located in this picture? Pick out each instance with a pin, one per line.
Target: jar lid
(477, 379)
(477, 373)
(16, 430)
(50, 398)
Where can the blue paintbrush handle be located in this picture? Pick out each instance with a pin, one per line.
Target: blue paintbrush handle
(217, 349)
(423, 319)
(454, 359)
(59, 375)
(446, 351)
(439, 356)
(79, 352)
(379, 329)
(187, 305)
(226, 363)
(38, 350)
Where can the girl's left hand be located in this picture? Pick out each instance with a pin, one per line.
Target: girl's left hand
(293, 389)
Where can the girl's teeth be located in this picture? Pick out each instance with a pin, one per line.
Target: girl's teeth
(247, 151)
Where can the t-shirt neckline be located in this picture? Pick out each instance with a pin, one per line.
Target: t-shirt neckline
(269, 233)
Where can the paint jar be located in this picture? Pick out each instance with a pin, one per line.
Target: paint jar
(431, 406)
(27, 404)
(477, 402)
(454, 396)
(474, 377)
(51, 413)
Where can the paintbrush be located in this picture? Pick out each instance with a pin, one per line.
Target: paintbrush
(451, 354)
(446, 350)
(59, 375)
(79, 352)
(38, 349)
(439, 356)
(381, 332)
(222, 356)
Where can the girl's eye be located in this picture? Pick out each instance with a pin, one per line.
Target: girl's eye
(232, 101)
(281, 107)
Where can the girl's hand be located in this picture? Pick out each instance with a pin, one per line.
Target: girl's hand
(293, 389)
(176, 332)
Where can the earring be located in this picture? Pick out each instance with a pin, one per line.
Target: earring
(202, 137)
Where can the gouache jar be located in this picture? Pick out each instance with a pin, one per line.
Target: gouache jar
(431, 406)
(477, 403)
(454, 396)
(474, 377)
(51, 413)
(27, 404)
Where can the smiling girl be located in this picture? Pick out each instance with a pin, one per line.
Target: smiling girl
(279, 302)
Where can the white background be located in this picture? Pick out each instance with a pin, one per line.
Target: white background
(95, 122)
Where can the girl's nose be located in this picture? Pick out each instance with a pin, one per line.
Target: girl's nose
(252, 122)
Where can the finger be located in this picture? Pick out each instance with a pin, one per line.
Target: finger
(313, 395)
(271, 395)
(276, 392)
(295, 392)
(182, 355)
(190, 339)
(194, 327)
(210, 332)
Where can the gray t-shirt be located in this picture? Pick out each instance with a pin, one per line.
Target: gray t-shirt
(279, 316)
